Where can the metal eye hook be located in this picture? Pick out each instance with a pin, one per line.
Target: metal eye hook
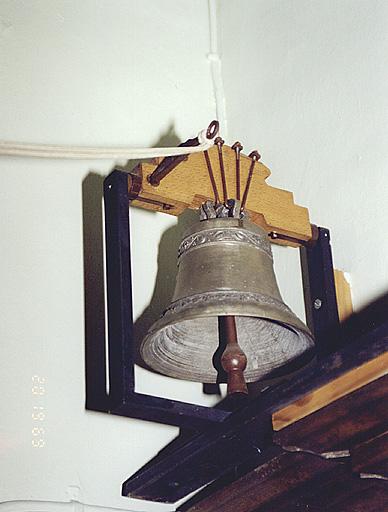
(212, 129)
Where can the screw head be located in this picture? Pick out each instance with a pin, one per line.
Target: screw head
(255, 155)
(317, 303)
(237, 147)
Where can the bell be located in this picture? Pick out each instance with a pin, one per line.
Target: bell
(225, 272)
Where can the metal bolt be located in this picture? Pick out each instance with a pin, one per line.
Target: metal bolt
(219, 142)
(237, 148)
(255, 157)
(317, 303)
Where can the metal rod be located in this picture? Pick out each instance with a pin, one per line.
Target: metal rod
(169, 163)
(233, 360)
(237, 147)
(255, 157)
(211, 176)
(165, 206)
(279, 236)
(274, 235)
(220, 143)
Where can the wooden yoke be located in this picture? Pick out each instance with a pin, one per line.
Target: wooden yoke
(189, 185)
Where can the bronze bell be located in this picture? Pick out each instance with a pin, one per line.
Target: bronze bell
(225, 270)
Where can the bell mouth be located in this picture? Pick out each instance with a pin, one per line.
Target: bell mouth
(190, 349)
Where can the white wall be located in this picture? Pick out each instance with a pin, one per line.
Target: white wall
(306, 83)
(97, 73)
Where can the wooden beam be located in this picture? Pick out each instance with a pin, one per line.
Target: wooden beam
(244, 438)
(341, 425)
(344, 296)
(241, 442)
(189, 185)
(296, 482)
(324, 395)
(267, 485)
(371, 457)
(314, 464)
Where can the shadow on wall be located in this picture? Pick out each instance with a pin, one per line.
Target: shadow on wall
(94, 305)
(94, 302)
(165, 278)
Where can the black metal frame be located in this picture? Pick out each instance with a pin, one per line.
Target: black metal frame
(122, 398)
(319, 290)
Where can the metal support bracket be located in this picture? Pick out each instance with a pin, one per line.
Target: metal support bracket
(319, 290)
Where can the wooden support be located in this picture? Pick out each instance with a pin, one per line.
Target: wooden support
(189, 185)
(371, 457)
(341, 425)
(333, 460)
(291, 482)
(337, 388)
(243, 439)
(266, 484)
(343, 293)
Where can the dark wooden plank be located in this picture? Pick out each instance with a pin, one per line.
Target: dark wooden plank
(265, 487)
(331, 392)
(341, 425)
(205, 453)
(230, 478)
(336, 491)
(236, 441)
(371, 496)
(372, 456)
(196, 461)
(296, 482)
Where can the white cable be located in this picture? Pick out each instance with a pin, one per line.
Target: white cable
(85, 152)
(214, 59)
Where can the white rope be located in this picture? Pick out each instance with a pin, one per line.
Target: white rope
(94, 153)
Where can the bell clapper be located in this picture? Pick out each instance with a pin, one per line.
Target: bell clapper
(233, 360)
